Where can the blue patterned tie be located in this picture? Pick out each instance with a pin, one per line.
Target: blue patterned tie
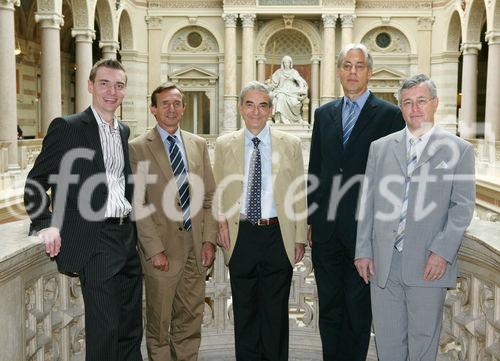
(349, 121)
(181, 178)
(254, 184)
(411, 161)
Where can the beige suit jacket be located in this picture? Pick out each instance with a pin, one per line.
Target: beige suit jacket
(289, 187)
(156, 199)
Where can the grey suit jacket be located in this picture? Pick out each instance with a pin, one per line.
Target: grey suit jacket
(440, 205)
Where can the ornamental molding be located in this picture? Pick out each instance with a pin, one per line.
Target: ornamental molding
(288, 21)
(470, 48)
(9, 4)
(395, 4)
(398, 41)
(340, 3)
(83, 35)
(492, 37)
(240, 2)
(180, 43)
(347, 20)
(109, 45)
(189, 4)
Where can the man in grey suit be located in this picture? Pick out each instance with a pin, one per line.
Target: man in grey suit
(418, 199)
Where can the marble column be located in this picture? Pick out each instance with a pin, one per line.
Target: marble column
(328, 63)
(50, 65)
(230, 96)
(314, 85)
(424, 44)
(468, 112)
(347, 21)
(261, 69)
(247, 51)
(8, 102)
(154, 50)
(109, 48)
(83, 63)
(492, 109)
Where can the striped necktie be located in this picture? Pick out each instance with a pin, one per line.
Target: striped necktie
(181, 178)
(254, 184)
(349, 121)
(411, 161)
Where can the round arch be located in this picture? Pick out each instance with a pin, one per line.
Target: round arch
(82, 14)
(125, 30)
(106, 20)
(393, 24)
(455, 31)
(274, 26)
(174, 28)
(474, 20)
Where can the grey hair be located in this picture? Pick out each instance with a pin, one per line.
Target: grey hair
(416, 80)
(355, 46)
(257, 86)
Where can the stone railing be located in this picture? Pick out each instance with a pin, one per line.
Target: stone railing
(42, 310)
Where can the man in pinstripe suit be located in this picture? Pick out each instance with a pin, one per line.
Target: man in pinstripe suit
(85, 223)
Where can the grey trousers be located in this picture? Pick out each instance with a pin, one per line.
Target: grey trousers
(407, 319)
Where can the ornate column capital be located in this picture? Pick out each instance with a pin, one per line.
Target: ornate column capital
(347, 20)
(329, 20)
(111, 45)
(492, 37)
(154, 22)
(9, 4)
(315, 59)
(261, 59)
(470, 48)
(425, 23)
(229, 20)
(248, 20)
(83, 35)
(49, 20)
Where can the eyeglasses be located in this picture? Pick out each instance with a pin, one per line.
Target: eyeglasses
(420, 102)
(176, 104)
(262, 107)
(358, 66)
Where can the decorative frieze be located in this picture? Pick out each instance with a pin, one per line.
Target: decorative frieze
(289, 2)
(347, 20)
(470, 48)
(425, 23)
(196, 4)
(229, 20)
(394, 4)
(248, 20)
(154, 22)
(329, 20)
(49, 20)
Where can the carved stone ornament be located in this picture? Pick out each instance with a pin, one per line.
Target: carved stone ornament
(229, 20)
(425, 23)
(347, 20)
(248, 20)
(470, 48)
(186, 4)
(288, 20)
(339, 3)
(239, 2)
(193, 39)
(329, 20)
(394, 4)
(49, 21)
(397, 43)
(288, 42)
(83, 35)
(154, 22)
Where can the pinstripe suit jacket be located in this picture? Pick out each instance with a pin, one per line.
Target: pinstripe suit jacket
(440, 205)
(72, 143)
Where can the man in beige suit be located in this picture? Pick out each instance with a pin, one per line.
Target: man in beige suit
(262, 224)
(176, 229)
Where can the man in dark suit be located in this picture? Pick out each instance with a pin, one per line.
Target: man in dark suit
(84, 223)
(342, 134)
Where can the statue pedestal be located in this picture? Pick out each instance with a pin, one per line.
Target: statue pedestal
(303, 131)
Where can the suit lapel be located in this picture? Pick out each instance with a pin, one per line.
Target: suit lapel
(188, 142)
(399, 150)
(92, 135)
(157, 149)
(430, 149)
(336, 116)
(277, 146)
(237, 149)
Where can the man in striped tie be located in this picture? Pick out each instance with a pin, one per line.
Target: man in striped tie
(418, 200)
(177, 232)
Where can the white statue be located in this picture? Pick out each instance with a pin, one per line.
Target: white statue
(289, 90)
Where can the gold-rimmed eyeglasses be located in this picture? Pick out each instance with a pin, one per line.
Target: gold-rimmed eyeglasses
(420, 102)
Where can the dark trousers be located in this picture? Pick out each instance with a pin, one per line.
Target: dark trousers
(345, 315)
(260, 275)
(112, 293)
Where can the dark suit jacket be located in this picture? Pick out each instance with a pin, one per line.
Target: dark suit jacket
(72, 143)
(334, 167)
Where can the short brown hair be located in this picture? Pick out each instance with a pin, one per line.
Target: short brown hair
(106, 63)
(166, 86)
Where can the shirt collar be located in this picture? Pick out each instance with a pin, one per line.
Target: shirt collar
(100, 120)
(424, 137)
(360, 101)
(263, 135)
(164, 134)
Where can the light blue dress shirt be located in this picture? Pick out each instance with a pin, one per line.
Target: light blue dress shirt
(178, 140)
(268, 206)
